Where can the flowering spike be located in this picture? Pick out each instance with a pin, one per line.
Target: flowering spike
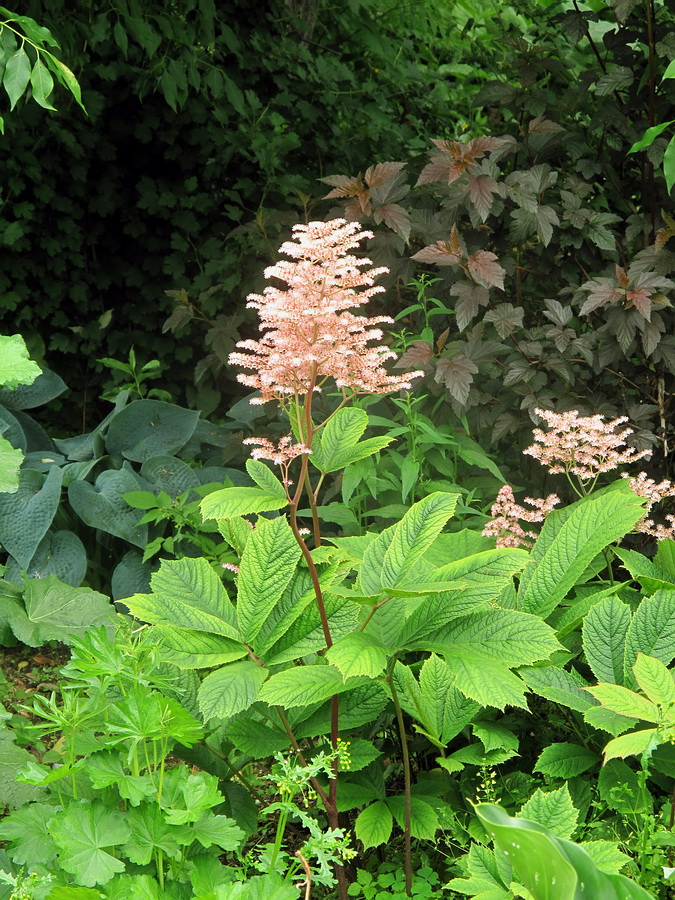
(309, 332)
(507, 515)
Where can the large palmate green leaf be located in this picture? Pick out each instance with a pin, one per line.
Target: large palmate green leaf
(102, 505)
(25, 515)
(569, 542)
(54, 611)
(604, 638)
(550, 867)
(189, 594)
(231, 689)
(265, 570)
(148, 428)
(82, 832)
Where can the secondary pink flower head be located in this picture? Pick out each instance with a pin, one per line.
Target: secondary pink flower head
(585, 446)
(507, 515)
(654, 493)
(310, 335)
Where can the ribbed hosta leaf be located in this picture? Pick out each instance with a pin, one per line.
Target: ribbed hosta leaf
(26, 514)
(569, 542)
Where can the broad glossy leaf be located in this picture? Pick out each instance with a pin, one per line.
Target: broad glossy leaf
(148, 428)
(651, 631)
(358, 654)
(239, 501)
(17, 75)
(302, 685)
(373, 825)
(634, 744)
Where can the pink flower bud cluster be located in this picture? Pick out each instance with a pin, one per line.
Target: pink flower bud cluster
(310, 335)
(507, 516)
(654, 492)
(282, 455)
(585, 446)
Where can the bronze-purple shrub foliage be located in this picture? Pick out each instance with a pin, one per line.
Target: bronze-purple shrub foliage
(551, 242)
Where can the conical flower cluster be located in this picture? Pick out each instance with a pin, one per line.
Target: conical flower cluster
(310, 335)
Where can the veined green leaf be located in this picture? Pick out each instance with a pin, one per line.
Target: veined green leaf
(413, 536)
(373, 825)
(186, 593)
(423, 820)
(370, 573)
(554, 810)
(305, 635)
(669, 164)
(507, 636)
(189, 649)
(446, 709)
(572, 617)
(41, 83)
(564, 760)
(651, 631)
(265, 478)
(634, 744)
(265, 570)
(17, 76)
(568, 544)
(358, 654)
(239, 501)
(650, 575)
(604, 638)
(655, 680)
(487, 682)
(650, 134)
(338, 444)
(304, 685)
(559, 685)
(627, 703)
(231, 689)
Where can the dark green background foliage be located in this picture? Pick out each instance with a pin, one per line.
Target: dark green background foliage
(208, 126)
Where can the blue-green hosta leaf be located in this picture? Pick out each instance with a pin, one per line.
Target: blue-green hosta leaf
(10, 463)
(503, 635)
(553, 810)
(651, 631)
(373, 824)
(16, 367)
(231, 689)
(26, 514)
(239, 501)
(569, 543)
(82, 833)
(46, 387)
(189, 649)
(266, 568)
(189, 594)
(170, 474)
(102, 505)
(302, 685)
(148, 428)
(54, 611)
(413, 536)
(565, 760)
(59, 553)
(358, 654)
(604, 638)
